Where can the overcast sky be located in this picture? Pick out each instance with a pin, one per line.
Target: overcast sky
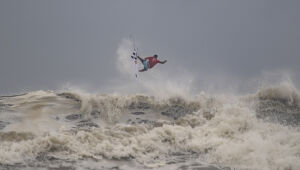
(45, 44)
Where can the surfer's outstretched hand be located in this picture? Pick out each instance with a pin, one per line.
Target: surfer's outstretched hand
(163, 62)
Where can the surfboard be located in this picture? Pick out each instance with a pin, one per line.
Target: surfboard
(135, 63)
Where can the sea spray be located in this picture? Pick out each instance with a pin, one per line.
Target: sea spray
(148, 131)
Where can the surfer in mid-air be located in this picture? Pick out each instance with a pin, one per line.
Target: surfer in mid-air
(150, 62)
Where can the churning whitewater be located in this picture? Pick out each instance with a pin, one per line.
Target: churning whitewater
(169, 129)
(76, 130)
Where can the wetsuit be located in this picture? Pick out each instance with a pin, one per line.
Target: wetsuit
(150, 62)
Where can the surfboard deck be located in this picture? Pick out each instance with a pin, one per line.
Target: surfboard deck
(135, 63)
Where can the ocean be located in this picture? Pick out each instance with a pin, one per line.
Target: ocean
(68, 130)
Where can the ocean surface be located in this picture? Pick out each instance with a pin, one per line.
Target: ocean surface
(70, 130)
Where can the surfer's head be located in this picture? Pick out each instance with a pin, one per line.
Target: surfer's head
(155, 56)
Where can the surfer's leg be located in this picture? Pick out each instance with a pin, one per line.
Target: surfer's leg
(144, 69)
(146, 66)
(142, 60)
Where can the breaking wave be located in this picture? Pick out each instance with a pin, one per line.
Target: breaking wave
(256, 131)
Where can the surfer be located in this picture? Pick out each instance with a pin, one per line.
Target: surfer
(150, 62)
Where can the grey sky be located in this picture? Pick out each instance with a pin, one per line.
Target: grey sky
(44, 44)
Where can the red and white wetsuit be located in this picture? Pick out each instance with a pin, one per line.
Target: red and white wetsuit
(152, 61)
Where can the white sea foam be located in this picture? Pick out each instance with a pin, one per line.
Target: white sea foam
(221, 130)
(152, 130)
